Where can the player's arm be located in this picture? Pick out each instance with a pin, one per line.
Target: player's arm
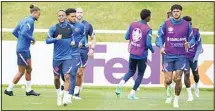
(199, 49)
(191, 39)
(16, 31)
(50, 37)
(26, 28)
(127, 35)
(83, 36)
(149, 41)
(83, 40)
(92, 37)
(72, 39)
(160, 36)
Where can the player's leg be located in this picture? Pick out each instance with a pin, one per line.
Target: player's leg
(165, 85)
(75, 65)
(127, 76)
(62, 77)
(29, 91)
(57, 70)
(187, 80)
(67, 68)
(141, 69)
(80, 75)
(179, 66)
(168, 73)
(79, 80)
(194, 68)
(21, 71)
(22, 63)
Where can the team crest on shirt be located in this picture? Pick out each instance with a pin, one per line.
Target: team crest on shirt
(170, 29)
(136, 34)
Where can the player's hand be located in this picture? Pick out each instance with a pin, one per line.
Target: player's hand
(59, 36)
(86, 45)
(80, 45)
(163, 51)
(91, 53)
(186, 44)
(33, 42)
(72, 43)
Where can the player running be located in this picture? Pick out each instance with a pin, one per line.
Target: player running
(174, 33)
(24, 33)
(139, 35)
(192, 61)
(84, 51)
(60, 35)
(78, 40)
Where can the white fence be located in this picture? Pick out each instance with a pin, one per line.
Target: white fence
(101, 31)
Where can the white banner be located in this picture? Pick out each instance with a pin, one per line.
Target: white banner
(109, 65)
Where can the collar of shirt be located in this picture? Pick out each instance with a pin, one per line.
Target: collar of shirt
(176, 21)
(63, 24)
(72, 23)
(32, 18)
(143, 21)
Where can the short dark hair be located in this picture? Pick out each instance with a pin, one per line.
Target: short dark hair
(60, 11)
(169, 14)
(33, 8)
(145, 13)
(70, 10)
(187, 18)
(176, 6)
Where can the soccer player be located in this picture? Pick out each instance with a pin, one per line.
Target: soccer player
(84, 51)
(60, 35)
(169, 15)
(192, 61)
(139, 35)
(174, 33)
(23, 32)
(78, 40)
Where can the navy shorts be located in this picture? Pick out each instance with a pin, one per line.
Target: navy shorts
(62, 67)
(191, 64)
(172, 64)
(23, 58)
(84, 57)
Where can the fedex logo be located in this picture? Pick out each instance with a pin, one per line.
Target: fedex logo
(154, 65)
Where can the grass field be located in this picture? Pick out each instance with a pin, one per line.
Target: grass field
(108, 16)
(104, 98)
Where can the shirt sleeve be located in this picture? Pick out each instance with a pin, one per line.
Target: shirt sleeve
(50, 38)
(25, 29)
(16, 31)
(127, 35)
(160, 36)
(199, 49)
(91, 32)
(149, 41)
(191, 38)
(83, 34)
